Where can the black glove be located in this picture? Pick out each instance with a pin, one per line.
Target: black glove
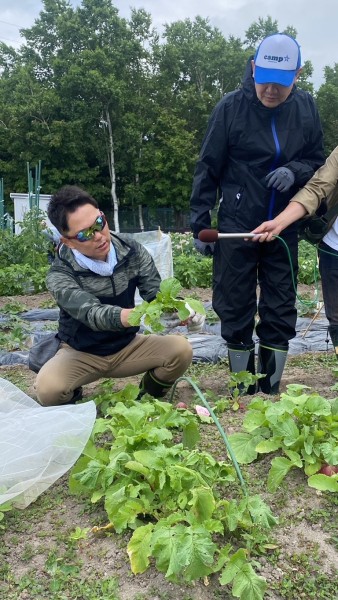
(205, 248)
(281, 179)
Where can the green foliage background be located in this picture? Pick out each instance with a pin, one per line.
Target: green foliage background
(24, 262)
(83, 69)
(108, 103)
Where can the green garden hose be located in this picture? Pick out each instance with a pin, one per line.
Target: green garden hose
(307, 303)
(218, 425)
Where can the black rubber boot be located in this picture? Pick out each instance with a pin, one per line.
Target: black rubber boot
(154, 387)
(242, 358)
(271, 361)
(77, 395)
(333, 331)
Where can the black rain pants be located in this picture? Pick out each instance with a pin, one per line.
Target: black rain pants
(237, 269)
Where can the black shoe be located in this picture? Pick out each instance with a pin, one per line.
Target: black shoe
(154, 387)
(77, 395)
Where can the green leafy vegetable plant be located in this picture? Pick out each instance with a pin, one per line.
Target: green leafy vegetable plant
(171, 495)
(166, 301)
(7, 506)
(13, 307)
(302, 426)
(239, 384)
(22, 279)
(193, 271)
(79, 534)
(14, 333)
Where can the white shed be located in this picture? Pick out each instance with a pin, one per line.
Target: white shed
(21, 207)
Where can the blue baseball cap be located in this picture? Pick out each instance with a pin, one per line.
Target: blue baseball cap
(277, 60)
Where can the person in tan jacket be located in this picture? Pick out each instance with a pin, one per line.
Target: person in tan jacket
(323, 184)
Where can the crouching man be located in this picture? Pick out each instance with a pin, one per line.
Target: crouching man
(93, 279)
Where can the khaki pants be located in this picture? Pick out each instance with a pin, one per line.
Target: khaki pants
(168, 356)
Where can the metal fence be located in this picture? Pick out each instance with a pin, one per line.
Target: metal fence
(165, 218)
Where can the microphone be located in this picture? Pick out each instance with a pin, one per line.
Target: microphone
(212, 235)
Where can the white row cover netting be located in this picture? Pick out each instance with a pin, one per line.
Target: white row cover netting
(37, 444)
(159, 247)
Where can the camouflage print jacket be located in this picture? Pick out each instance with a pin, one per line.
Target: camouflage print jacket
(90, 304)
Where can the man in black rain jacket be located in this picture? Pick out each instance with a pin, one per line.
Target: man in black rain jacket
(263, 142)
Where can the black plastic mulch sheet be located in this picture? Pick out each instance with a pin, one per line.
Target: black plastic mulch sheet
(208, 346)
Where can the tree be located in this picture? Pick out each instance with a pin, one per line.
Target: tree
(197, 66)
(167, 163)
(140, 112)
(264, 27)
(108, 105)
(84, 56)
(327, 101)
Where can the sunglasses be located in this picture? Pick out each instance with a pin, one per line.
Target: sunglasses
(87, 234)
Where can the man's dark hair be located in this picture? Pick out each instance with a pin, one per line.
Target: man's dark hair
(67, 200)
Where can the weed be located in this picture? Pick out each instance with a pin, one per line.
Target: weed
(28, 552)
(51, 326)
(50, 303)
(211, 317)
(63, 581)
(308, 584)
(203, 370)
(308, 361)
(15, 338)
(13, 308)
(17, 376)
(323, 516)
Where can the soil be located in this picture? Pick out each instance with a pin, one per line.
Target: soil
(27, 302)
(301, 530)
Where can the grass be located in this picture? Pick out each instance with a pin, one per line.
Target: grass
(63, 583)
(48, 303)
(323, 516)
(307, 581)
(17, 375)
(60, 575)
(307, 361)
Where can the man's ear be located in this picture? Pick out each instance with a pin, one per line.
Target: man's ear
(298, 73)
(67, 242)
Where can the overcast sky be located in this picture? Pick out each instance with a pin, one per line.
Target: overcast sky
(315, 22)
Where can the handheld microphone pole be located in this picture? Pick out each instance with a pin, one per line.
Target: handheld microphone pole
(212, 235)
